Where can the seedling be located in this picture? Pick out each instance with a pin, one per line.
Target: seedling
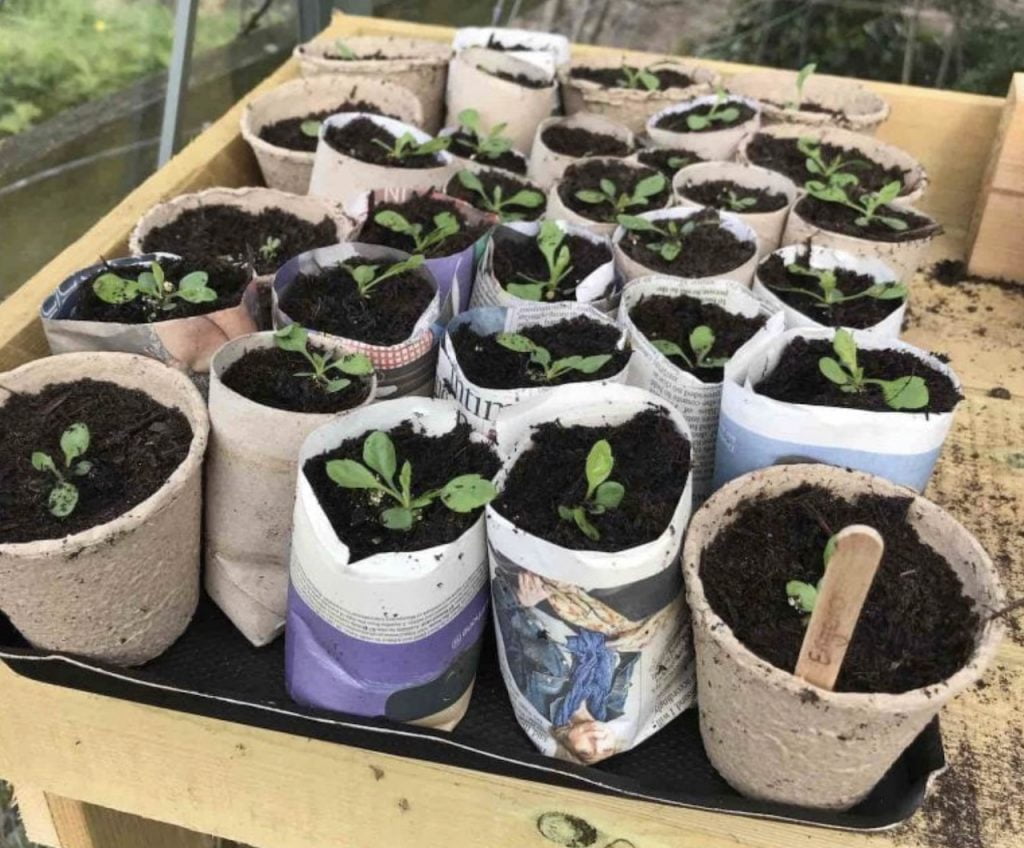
(801, 80)
(736, 202)
(602, 494)
(74, 442)
(367, 277)
(544, 369)
(343, 51)
(803, 597)
(550, 242)
(311, 128)
(719, 113)
(445, 225)
(295, 338)
(830, 293)
(154, 288)
(406, 146)
(486, 145)
(496, 201)
(901, 393)
(868, 203)
(701, 340)
(269, 249)
(834, 172)
(377, 473)
(620, 201)
(672, 232)
(639, 78)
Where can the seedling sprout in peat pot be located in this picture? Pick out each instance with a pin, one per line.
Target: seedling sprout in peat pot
(491, 191)
(594, 192)
(431, 225)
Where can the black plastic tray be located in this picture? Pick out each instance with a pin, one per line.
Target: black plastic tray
(213, 671)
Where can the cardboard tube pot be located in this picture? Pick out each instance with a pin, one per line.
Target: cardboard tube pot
(768, 226)
(120, 592)
(404, 368)
(250, 494)
(418, 64)
(850, 104)
(484, 165)
(473, 84)
(516, 213)
(823, 258)
(547, 50)
(393, 634)
(774, 736)
(345, 179)
(755, 431)
(289, 170)
(547, 165)
(631, 269)
(713, 144)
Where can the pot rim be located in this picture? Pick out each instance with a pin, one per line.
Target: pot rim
(770, 181)
(426, 53)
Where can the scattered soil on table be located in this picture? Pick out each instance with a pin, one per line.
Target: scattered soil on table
(857, 314)
(588, 175)
(676, 121)
(917, 627)
(798, 379)
(842, 219)
(706, 252)
(288, 132)
(716, 193)
(462, 145)
(358, 139)
(999, 393)
(214, 232)
(652, 461)
(486, 363)
(135, 444)
(509, 187)
(668, 161)
(951, 815)
(516, 256)
(674, 318)
(614, 78)
(420, 209)
(227, 279)
(517, 79)
(355, 513)
(580, 142)
(268, 377)
(952, 272)
(329, 301)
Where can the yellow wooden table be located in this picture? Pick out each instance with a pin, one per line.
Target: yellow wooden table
(96, 771)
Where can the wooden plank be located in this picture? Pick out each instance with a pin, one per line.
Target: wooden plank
(35, 815)
(80, 825)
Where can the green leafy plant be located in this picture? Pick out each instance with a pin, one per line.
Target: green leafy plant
(602, 494)
(719, 113)
(74, 442)
(639, 78)
(803, 597)
(868, 203)
(701, 340)
(343, 51)
(671, 230)
(901, 393)
(551, 243)
(311, 128)
(830, 294)
(488, 145)
(154, 288)
(368, 277)
(445, 225)
(801, 80)
(270, 248)
(496, 201)
(736, 202)
(377, 473)
(406, 146)
(295, 338)
(620, 201)
(544, 368)
(835, 172)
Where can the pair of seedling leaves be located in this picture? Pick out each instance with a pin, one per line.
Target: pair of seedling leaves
(828, 284)
(620, 201)
(403, 147)
(702, 340)
(367, 277)
(377, 471)
(153, 286)
(843, 370)
(544, 368)
(551, 244)
(74, 442)
(325, 367)
(719, 113)
(496, 202)
(602, 494)
(486, 145)
(445, 225)
(673, 232)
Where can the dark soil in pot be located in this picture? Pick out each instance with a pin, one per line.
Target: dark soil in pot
(674, 318)
(486, 363)
(329, 301)
(509, 187)
(676, 121)
(516, 256)
(732, 197)
(420, 209)
(584, 176)
(210, 232)
(652, 460)
(358, 139)
(708, 250)
(517, 79)
(580, 142)
(376, 55)
(842, 219)
(614, 78)
(494, 44)
(135, 444)
(355, 513)
(463, 146)
(797, 378)
(668, 161)
(917, 627)
(288, 133)
(268, 376)
(807, 106)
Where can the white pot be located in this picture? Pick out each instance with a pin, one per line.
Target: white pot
(547, 166)
(547, 50)
(712, 144)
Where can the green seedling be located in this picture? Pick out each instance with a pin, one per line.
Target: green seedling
(377, 473)
(639, 78)
(543, 368)
(620, 201)
(74, 442)
(343, 51)
(368, 278)
(835, 172)
(801, 80)
(701, 340)
(154, 288)
(671, 230)
(295, 338)
(445, 225)
(488, 145)
(867, 203)
(311, 128)
(737, 203)
(270, 248)
(901, 393)
(602, 494)
(803, 597)
(406, 146)
(496, 201)
(829, 293)
(551, 243)
(719, 113)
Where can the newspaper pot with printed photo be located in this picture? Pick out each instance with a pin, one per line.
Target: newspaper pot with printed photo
(710, 138)
(547, 165)
(547, 50)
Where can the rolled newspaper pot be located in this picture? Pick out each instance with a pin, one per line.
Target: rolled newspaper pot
(716, 142)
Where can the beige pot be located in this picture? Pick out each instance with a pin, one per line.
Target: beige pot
(123, 591)
(775, 737)
(289, 170)
(544, 49)
(712, 144)
(861, 109)
(767, 225)
(547, 166)
(418, 64)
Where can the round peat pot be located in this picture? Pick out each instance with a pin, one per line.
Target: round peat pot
(250, 494)
(289, 169)
(544, 49)
(123, 591)
(772, 735)
(718, 142)
(547, 165)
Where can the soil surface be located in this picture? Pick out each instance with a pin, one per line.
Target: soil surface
(463, 146)
(420, 209)
(362, 57)
(668, 161)
(676, 121)
(288, 133)
(707, 251)
(857, 314)
(580, 142)
(355, 513)
(212, 232)
(841, 219)
(798, 379)
(330, 302)
(227, 279)
(674, 318)
(807, 106)
(517, 79)
(614, 78)
(588, 175)
(517, 256)
(135, 444)
(358, 139)
(268, 377)
(917, 627)
(509, 186)
(652, 461)
(486, 363)
(717, 194)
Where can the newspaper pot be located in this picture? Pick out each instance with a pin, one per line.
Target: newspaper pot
(480, 405)
(825, 257)
(599, 289)
(289, 170)
(768, 226)
(547, 50)
(652, 370)
(392, 634)
(631, 269)
(120, 592)
(405, 368)
(472, 84)
(850, 104)
(586, 589)
(755, 431)
(547, 165)
(418, 64)
(250, 492)
(838, 745)
(630, 107)
(345, 179)
(718, 144)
